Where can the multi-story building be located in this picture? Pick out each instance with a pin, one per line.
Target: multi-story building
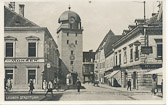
(137, 52)
(102, 52)
(70, 42)
(30, 51)
(132, 55)
(88, 66)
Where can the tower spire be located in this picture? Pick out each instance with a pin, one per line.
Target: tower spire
(69, 7)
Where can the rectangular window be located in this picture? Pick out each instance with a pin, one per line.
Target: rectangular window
(71, 52)
(125, 57)
(67, 41)
(32, 50)
(120, 59)
(116, 60)
(67, 33)
(131, 55)
(159, 50)
(136, 53)
(9, 49)
(76, 42)
(8, 74)
(76, 35)
(32, 76)
(71, 62)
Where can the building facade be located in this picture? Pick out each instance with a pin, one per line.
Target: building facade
(136, 52)
(30, 51)
(88, 66)
(70, 42)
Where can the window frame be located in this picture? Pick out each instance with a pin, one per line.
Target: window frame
(6, 49)
(35, 49)
(160, 57)
(36, 77)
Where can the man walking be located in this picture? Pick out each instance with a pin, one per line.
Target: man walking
(50, 88)
(78, 84)
(129, 84)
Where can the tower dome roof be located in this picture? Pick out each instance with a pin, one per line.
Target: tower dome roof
(67, 14)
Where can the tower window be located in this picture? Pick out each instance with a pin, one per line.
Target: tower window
(71, 52)
(67, 41)
(76, 42)
(71, 62)
(67, 33)
(76, 35)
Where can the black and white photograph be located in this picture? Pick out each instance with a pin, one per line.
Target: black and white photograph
(84, 51)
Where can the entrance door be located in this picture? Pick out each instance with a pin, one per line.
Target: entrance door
(125, 79)
(134, 79)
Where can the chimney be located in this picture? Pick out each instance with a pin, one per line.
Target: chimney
(21, 9)
(12, 6)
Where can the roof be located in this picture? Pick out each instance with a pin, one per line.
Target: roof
(108, 46)
(87, 56)
(105, 38)
(13, 19)
(154, 20)
(67, 14)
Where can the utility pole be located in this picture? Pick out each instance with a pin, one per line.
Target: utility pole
(144, 12)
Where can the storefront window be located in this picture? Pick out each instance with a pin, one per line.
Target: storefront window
(32, 76)
(9, 49)
(32, 49)
(159, 51)
(8, 74)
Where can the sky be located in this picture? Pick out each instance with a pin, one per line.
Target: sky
(97, 16)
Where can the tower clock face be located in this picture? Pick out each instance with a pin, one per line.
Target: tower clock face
(72, 20)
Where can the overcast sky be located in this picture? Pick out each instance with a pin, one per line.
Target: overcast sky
(97, 16)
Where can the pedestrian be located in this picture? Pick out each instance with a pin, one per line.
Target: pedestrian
(78, 84)
(31, 87)
(154, 87)
(44, 85)
(50, 88)
(55, 84)
(129, 84)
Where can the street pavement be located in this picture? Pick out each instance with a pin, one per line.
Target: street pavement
(90, 93)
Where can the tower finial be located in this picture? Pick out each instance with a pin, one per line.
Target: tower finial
(69, 7)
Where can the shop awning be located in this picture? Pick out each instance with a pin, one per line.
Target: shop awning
(156, 71)
(112, 74)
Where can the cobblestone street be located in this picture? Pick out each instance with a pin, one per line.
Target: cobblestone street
(103, 92)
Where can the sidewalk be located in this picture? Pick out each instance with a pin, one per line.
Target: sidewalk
(35, 91)
(132, 91)
(125, 89)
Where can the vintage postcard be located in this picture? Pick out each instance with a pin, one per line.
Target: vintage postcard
(83, 52)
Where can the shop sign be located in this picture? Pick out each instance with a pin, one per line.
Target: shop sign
(24, 60)
(146, 49)
(151, 66)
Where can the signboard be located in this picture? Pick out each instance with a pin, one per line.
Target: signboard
(146, 49)
(23, 60)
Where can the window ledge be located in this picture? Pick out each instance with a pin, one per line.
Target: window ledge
(159, 58)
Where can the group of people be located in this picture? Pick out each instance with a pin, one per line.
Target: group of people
(8, 84)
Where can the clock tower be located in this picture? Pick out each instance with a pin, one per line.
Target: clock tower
(70, 43)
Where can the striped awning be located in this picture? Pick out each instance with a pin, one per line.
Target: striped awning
(112, 74)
